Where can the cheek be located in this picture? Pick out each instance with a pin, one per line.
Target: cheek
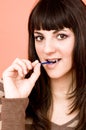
(68, 50)
(68, 57)
(39, 50)
(68, 53)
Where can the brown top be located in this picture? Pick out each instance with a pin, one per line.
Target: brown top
(12, 115)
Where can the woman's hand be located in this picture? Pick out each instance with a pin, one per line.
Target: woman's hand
(15, 83)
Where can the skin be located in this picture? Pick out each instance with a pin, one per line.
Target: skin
(50, 45)
(53, 45)
(84, 1)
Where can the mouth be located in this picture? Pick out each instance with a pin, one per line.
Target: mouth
(51, 61)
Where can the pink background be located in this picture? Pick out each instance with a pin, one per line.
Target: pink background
(13, 30)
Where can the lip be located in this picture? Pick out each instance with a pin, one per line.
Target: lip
(52, 58)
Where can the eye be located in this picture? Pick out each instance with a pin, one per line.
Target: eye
(62, 36)
(38, 38)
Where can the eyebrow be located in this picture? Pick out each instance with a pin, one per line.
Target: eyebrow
(60, 30)
(38, 32)
(54, 31)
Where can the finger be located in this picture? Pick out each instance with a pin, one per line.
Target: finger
(14, 71)
(27, 63)
(22, 64)
(19, 69)
(34, 63)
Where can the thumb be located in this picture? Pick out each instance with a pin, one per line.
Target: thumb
(35, 75)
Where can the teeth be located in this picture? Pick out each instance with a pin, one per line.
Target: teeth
(53, 61)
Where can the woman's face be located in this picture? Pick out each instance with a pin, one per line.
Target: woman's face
(56, 46)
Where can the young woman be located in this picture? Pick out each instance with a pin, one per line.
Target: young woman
(49, 89)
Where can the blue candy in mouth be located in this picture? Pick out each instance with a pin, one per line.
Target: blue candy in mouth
(49, 62)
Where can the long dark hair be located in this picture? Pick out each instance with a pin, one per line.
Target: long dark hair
(55, 15)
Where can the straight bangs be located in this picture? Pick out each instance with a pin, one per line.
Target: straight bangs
(51, 17)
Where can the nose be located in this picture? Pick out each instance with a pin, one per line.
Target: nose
(49, 46)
